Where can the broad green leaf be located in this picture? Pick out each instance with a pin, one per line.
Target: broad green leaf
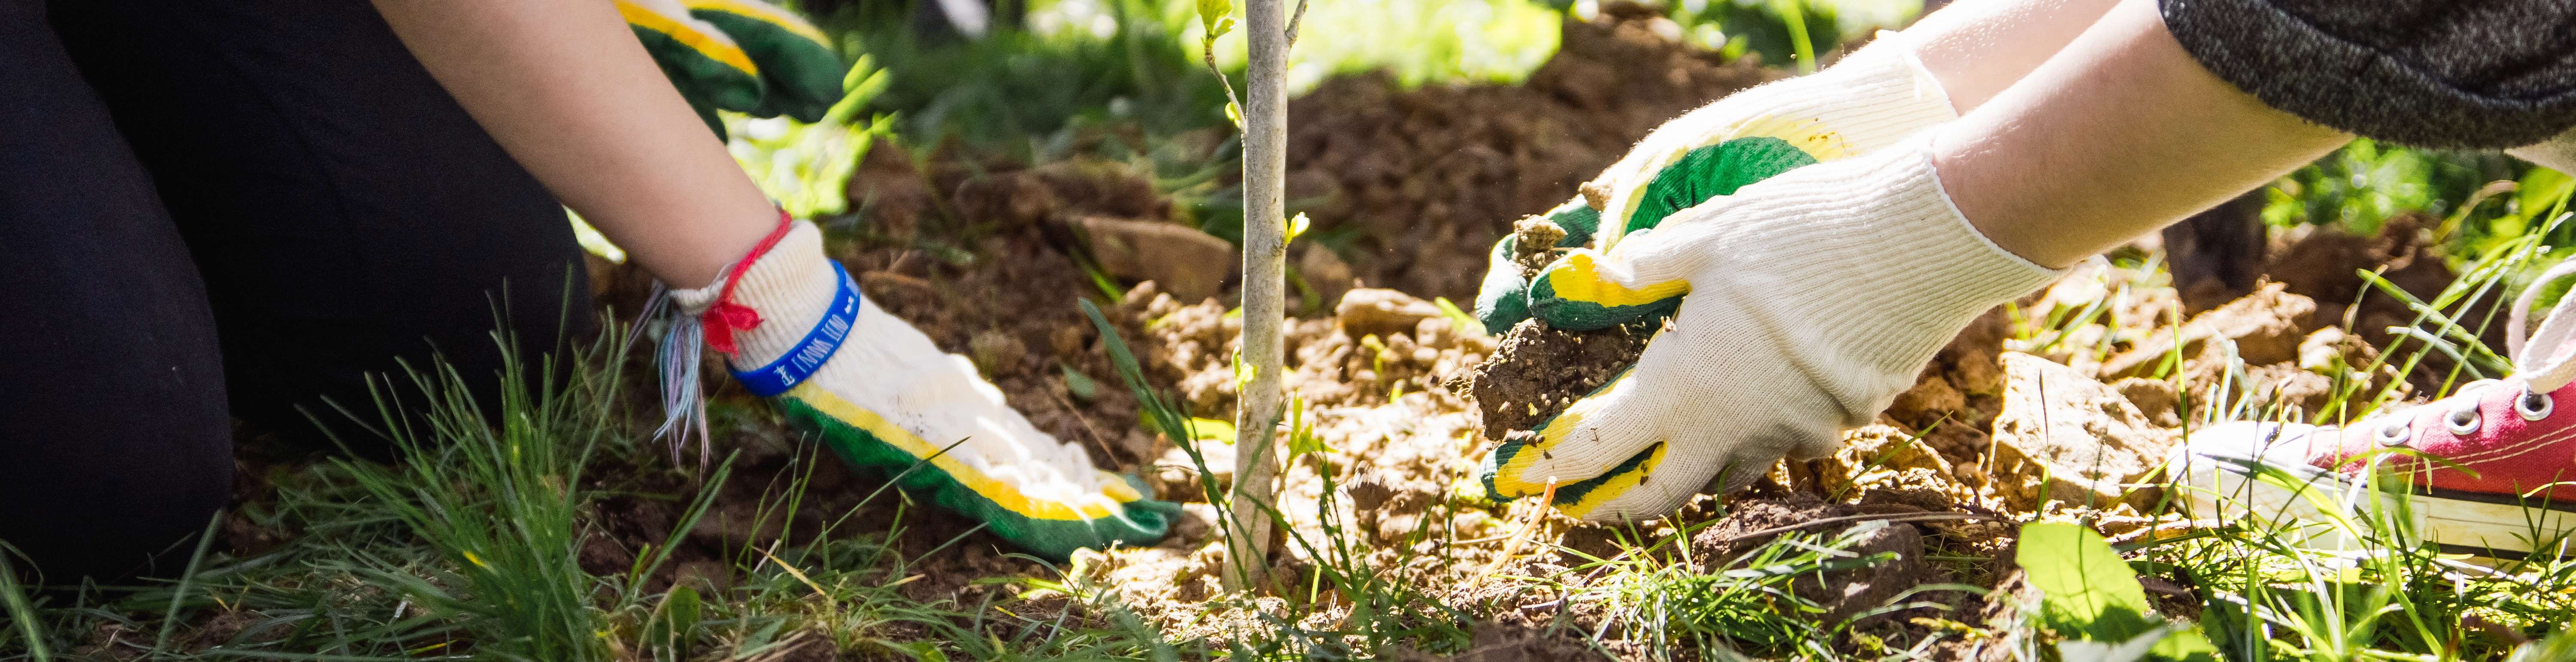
(2087, 593)
(2085, 589)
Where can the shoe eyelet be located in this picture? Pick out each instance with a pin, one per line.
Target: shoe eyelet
(2533, 406)
(2395, 433)
(2464, 420)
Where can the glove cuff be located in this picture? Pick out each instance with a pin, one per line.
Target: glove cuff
(769, 303)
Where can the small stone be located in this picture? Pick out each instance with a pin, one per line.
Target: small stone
(1382, 312)
(1177, 476)
(2295, 390)
(1189, 264)
(2063, 436)
(1435, 332)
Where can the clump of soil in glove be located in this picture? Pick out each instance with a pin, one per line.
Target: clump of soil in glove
(1538, 370)
(1534, 244)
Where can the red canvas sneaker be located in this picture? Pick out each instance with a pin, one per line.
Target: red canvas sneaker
(2489, 470)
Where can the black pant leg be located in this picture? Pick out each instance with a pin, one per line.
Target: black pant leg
(345, 210)
(114, 442)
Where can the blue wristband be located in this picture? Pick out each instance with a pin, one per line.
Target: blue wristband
(809, 354)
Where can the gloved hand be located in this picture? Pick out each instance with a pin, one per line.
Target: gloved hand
(794, 328)
(1867, 101)
(740, 55)
(1814, 298)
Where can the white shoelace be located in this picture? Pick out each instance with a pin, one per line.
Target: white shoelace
(2543, 360)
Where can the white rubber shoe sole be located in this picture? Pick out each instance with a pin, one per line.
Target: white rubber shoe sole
(2258, 473)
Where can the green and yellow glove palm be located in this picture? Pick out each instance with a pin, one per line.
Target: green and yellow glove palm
(884, 398)
(745, 56)
(1871, 100)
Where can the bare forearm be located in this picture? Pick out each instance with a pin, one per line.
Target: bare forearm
(2120, 134)
(567, 90)
(1976, 48)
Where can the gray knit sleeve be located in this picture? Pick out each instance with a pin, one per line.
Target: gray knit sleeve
(2430, 73)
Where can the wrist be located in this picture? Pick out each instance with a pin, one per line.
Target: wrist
(769, 302)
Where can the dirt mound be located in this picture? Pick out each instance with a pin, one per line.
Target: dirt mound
(1431, 177)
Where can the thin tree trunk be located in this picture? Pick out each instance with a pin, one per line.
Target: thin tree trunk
(1265, 288)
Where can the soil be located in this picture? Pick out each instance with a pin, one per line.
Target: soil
(1430, 177)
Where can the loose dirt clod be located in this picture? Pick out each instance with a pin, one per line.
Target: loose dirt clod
(1534, 240)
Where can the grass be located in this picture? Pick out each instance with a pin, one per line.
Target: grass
(469, 545)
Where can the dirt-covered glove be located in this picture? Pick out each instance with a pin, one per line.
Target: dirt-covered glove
(794, 328)
(1814, 297)
(1871, 99)
(740, 55)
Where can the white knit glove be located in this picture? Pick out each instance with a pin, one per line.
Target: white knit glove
(887, 399)
(1866, 101)
(1813, 298)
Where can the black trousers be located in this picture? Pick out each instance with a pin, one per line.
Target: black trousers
(236, 208)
